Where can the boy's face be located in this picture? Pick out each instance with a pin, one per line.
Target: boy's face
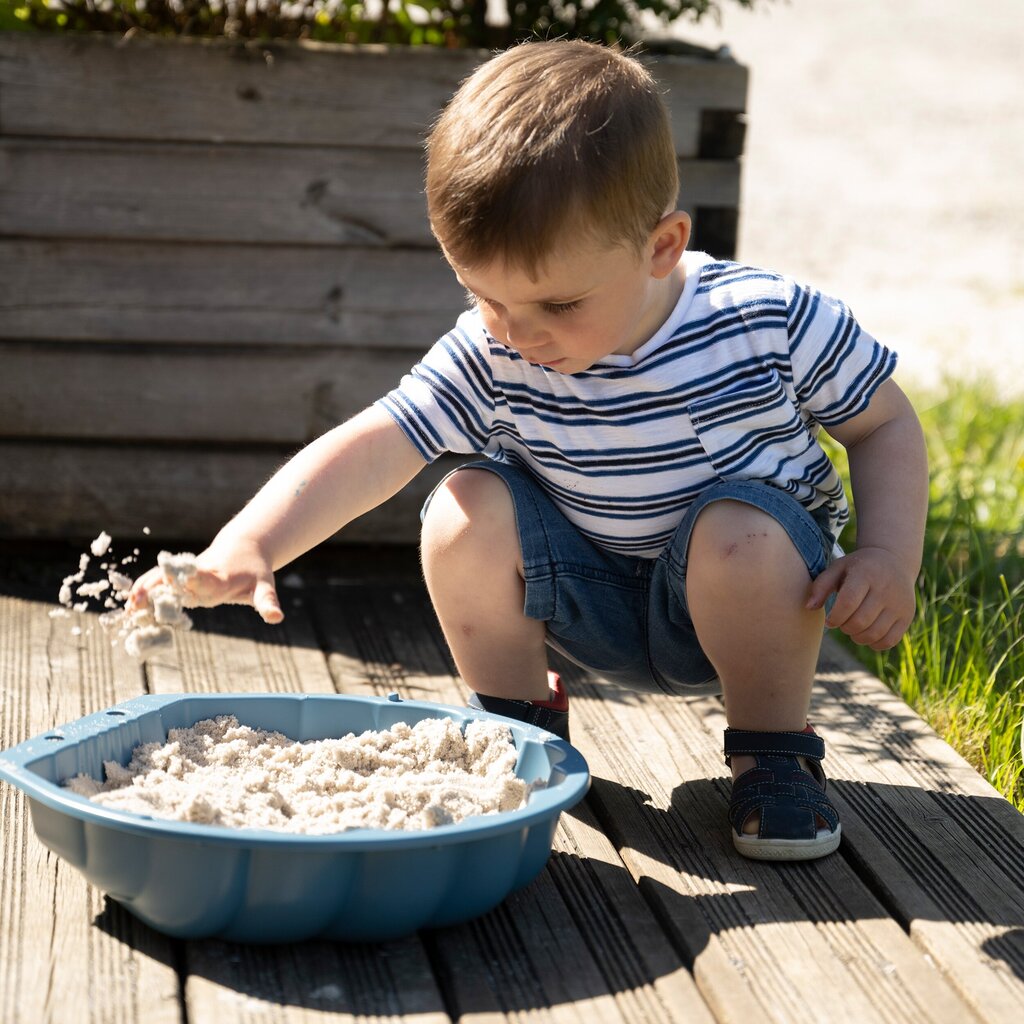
(588, 301)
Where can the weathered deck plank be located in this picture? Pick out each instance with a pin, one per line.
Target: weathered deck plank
(643, 914)
(311, 981)
(229, 981)
(761, 936)
(579, 944)
(942, 845)
(63, 953)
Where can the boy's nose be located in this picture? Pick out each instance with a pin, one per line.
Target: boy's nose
(521, 334)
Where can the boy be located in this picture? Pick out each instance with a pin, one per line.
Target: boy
(654, 502)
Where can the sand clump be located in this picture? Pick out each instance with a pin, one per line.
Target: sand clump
(150, 629)
(218, 772)
(142, 631)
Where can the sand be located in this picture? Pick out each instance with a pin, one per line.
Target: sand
(219, 772)
(142, 631)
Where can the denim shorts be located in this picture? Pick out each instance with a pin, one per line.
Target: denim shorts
(623, 618)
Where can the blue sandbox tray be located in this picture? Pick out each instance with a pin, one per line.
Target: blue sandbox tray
(256, 885)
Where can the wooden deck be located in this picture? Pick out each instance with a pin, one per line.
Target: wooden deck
(643, 914)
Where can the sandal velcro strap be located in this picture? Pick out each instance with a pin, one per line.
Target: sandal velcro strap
(793, 744)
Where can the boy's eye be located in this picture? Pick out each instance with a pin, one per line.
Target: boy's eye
(555, 308)
(476, 300)
(560, 307)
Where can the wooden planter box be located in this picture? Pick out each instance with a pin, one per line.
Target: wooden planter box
(211, 253)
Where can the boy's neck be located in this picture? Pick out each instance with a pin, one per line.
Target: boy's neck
(666, 295)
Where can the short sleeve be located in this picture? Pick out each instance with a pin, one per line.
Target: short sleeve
(445, 403)
(837, 366)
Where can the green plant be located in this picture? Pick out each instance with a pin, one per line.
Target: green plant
(452, 23)
(961, 663)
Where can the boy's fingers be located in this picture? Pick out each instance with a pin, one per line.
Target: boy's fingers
(824, 583)
(138, 596)
(869, 626)
(850, 598)
(892, 638)
(265, 602)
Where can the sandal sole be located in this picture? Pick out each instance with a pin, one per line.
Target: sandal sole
(756, 848)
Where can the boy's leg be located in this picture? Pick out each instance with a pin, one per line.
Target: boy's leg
(746, 587)
(473, 568)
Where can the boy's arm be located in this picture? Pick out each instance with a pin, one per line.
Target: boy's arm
(346, 472)
(875, 583)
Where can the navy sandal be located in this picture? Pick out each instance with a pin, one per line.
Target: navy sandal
(791, 802)
(552, 714)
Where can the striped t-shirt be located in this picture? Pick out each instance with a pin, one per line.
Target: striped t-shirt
(733, 386)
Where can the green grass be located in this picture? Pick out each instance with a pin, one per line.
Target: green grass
(961, 663)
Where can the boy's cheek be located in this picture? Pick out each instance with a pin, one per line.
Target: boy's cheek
(494, 328)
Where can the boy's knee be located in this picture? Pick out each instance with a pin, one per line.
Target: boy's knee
(470, 506)
(732, 534)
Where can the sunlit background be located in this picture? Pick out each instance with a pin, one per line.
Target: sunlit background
(885, 162)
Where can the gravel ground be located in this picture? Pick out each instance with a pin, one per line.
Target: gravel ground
(885, 164)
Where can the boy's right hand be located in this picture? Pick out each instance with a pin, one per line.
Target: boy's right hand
(226, 573)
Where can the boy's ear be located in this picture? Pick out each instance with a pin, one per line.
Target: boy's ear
(669, 240)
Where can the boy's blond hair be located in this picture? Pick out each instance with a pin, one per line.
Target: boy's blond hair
(546, 143)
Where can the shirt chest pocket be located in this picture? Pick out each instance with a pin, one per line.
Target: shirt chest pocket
(753, 431)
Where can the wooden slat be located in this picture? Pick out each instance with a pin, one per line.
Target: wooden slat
(924, 831)
(49, 489)
(704, 183)
(64, 954)
(232, 650)
(253, 194)
(311, 981)
(94, 87)
(945, 848)
(214, 90)
(128, 291)
(764, 938)
(700, 83)
(624, 936)
(182, 394)
(213, 193)
(579, 944)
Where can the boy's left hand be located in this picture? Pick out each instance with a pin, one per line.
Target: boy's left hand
(875, 600)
